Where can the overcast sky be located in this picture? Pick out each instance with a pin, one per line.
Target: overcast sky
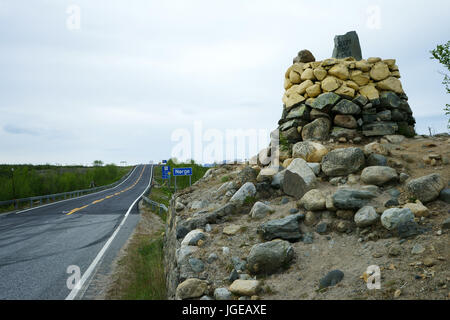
(135, 71)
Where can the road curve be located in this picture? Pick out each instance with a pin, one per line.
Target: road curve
(38, 246)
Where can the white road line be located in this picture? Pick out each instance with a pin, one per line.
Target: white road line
(90, 194)
(73, 294)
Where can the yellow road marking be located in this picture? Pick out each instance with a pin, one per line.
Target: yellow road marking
(97, 201)
(77, 209)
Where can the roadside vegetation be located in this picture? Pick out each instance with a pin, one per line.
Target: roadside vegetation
(139, 274)
(36, 180)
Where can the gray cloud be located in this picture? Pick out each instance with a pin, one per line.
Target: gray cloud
(13, 129)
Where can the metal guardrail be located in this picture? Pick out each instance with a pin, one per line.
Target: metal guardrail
(63, 195)
(154, 205)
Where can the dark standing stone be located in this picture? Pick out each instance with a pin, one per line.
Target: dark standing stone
(331, 279)
(347, 45)
(304, 56)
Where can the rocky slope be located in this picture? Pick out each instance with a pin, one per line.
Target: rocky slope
(310, 228)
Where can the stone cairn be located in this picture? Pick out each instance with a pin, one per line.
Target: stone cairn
(343, 98)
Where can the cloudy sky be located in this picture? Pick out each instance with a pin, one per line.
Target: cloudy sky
(117, 87)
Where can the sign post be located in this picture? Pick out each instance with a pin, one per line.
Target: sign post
(166, 173)
(178, 172)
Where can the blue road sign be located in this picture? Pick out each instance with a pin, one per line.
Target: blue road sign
(182, 172)
(165, 172)
(164, 161)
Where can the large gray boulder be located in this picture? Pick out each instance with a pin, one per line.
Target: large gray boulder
(392, 218)
(293, 185)
(342, 162)
(426, 188)
(301, 167)
(192, 238)
(378, 175)
(260, 210)
(348, 199)
(269, 257)
(247, 190)
(287, 228)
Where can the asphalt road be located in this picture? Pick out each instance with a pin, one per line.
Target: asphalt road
(38, 246)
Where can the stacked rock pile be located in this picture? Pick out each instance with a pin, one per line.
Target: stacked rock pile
(344, 99)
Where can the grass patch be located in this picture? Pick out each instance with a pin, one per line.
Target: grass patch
(225, 179)
(144, 279)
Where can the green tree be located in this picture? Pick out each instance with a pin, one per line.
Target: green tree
(98, 163)
(442, 54)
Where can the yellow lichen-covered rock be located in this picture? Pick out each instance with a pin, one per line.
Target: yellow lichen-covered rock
(340, 71)
(345, 91)
(352, 84)
(373, 60)
(396, 74)
(287, 84)
(320, 73)
(380, 71)
(308, 74)
(370, 92)
(285, 98)
(360, 78)
(314, 91)
(294, 99)
(394, 68)
(390, 62)
(301, 89)
(294, 77)
(330, 84)
(288, 71)
(391, 84)
(329, 62)
(363, 65)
